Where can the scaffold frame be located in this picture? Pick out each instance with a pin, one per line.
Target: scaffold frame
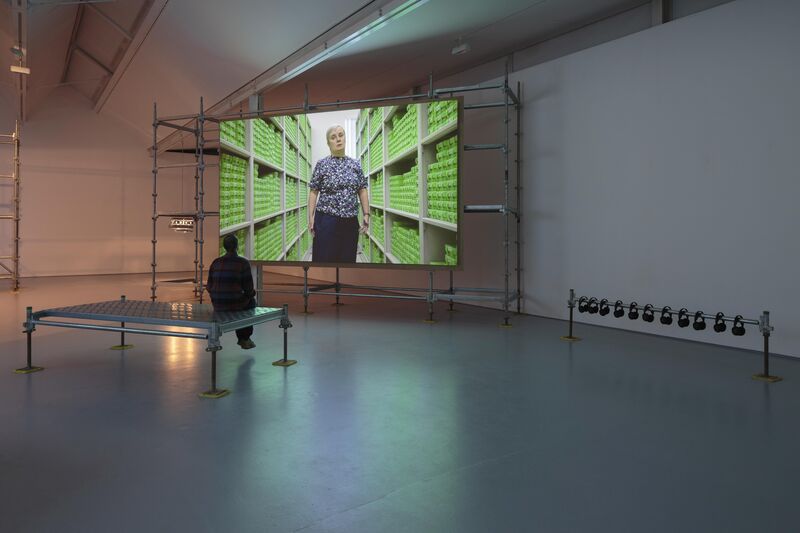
(194, 125)
(6, 271)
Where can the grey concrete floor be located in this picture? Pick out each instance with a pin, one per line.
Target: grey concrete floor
(389, 424)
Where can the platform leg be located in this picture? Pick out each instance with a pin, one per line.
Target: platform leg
(338, 288)
(29, 368)
(122, 345)
(571, 304)
(430, 319)
(765, 376)
(305, 292)
(285, 325)
(214, 392)
(451, 308)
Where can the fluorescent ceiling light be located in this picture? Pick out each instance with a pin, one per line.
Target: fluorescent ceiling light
(20, 70)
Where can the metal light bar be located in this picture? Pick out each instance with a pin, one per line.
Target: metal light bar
(690, 314)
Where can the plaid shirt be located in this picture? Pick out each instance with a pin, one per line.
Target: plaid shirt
(230, 283)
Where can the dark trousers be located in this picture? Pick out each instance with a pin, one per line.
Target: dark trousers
(243, 334)
(335, 239)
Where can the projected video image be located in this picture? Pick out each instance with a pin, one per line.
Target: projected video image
(376, 186)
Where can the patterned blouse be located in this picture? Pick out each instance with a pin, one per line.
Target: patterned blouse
(338, 180)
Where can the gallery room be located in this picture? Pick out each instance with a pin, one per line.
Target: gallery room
(399, 266)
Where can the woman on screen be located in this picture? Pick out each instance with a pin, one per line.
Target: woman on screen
(337, 185)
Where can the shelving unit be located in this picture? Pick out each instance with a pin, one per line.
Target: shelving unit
(12, 272)
(397, 146)
(274, 156)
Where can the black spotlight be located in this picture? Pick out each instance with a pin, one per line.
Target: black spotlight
(633, 311)
(604, 309)
(647, 314)
(683, 317)
(666, 316)
(618, 309)
(699, 321)
(593, 306)
(719, 323)
(583, 303)
(738, 326)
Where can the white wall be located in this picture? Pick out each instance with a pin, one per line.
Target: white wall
(659, 167)
(662, 168)
(86, 194)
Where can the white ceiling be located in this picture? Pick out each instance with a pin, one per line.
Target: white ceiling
(406, 51)
(210, 48)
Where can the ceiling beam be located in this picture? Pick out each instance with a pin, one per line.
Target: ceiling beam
(111, 21)
(72, 39)
(149, 14)
(94, 60)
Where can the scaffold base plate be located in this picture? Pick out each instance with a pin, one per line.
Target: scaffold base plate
(306, 312)
(570, 339)
(29, 370)
(337, 303)
(121, 347)
(430, 321)
(768, 379)
(214, 393)
(505, 326)
(281, 362)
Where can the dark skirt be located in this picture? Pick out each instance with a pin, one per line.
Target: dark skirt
(335, 239)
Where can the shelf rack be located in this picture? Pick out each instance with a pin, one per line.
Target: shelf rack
(293, 185)
(12, 272)
(433, 233)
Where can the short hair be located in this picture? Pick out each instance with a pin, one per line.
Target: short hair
(329, 130)
(230, 243)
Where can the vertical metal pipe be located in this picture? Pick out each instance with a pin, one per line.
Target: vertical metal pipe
(213, 371)
(338, 287)
(571, 309)
(451, 289)
(285, 344)
(197, 280)
(122, 333)
(17, 192)
(430, 296)
(305, 289)
(519, 197)
(155, 196)
(201, 214)
(29, 332)
(766, 354)
(285, 332)
(505, 192)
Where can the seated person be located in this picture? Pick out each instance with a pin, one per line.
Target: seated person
(230, 285)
